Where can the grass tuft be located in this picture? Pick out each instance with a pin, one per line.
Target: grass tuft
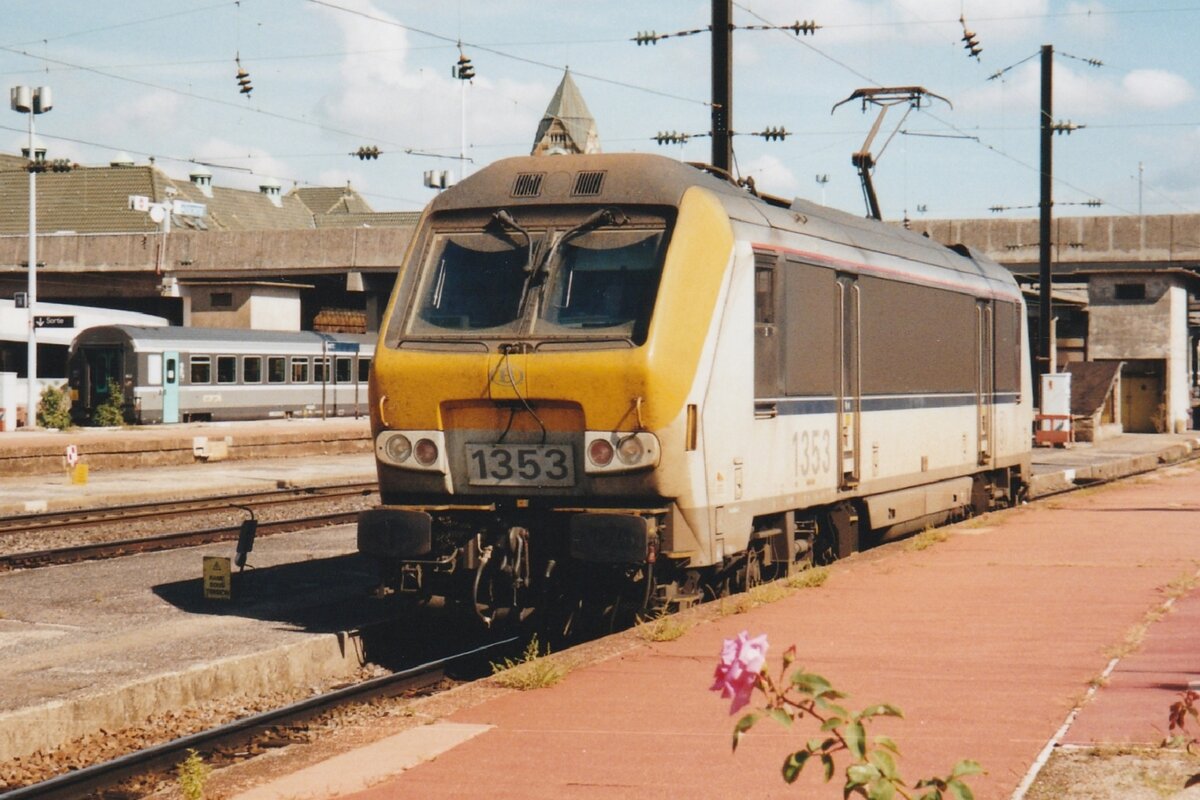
(926, 539)
(661, 628)
(808, 578)
(531, 671)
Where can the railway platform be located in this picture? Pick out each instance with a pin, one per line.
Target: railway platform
(43, 452)
(177, 461)
(987, 641)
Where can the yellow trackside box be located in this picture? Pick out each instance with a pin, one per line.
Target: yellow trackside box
(218, 578)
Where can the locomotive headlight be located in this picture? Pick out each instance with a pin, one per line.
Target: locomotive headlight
(630, 450)
(397, 448)
(600, 452)
(413, 450)
(426, 452)
(615, 452)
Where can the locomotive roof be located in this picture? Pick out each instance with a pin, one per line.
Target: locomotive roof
(189, 337)
(643, 178)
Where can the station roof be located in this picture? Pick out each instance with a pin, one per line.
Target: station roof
(95, 199)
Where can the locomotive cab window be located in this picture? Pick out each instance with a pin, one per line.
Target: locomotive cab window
(603, 281)
(555, 275)
(473, 282)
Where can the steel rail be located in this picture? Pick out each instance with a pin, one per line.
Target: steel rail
(24, 523)
(89, 780)
(166, 541)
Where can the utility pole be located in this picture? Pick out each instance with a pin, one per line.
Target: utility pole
(722, 84)
(1045, 316)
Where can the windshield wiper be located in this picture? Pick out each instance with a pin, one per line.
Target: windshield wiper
(504, 218)
(604, 216)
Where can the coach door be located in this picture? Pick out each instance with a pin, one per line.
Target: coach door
(984, 378)
(170, 382)
(849, 388)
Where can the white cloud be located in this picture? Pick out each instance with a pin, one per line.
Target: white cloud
(262, 165)
(149, 113)
(1079, 93)
(771, 176)
(410, 107)
(1155, 89)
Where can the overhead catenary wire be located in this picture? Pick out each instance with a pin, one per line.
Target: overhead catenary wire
(502, 54)
(962, 134)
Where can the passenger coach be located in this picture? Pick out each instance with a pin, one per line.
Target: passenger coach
(173, 374)
(626, 372)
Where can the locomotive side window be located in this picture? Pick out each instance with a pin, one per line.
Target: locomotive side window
(767, 342)
(226, 369)
(472, 282)
(810, 358)
(251, 369)
(916, 339)
(299, 370)
(1008, 351)
(276, 369)
(200, 369)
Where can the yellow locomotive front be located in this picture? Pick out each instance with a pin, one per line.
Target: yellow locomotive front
(533, 389)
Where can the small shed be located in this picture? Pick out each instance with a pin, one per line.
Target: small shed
(1095, 399)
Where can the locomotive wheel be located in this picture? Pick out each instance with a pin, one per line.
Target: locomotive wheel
(750, 573)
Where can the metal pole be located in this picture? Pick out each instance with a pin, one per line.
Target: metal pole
(31, 397)
(722, 83)
(1044, 253)
(462, 129)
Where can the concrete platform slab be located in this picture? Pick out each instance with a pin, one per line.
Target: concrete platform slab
(107, 644)
(362, 768)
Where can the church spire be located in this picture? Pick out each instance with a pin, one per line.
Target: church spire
(567, 126)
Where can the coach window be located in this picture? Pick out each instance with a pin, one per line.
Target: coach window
(201, 369)
(154, 370)
(299, 370)
(226, 369)
(343, 372)
(251, 369)
(320, 370)
(276, 369)
(364, 369)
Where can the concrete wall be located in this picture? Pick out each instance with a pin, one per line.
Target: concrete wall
(257, 307)
(1079, 241)
(1151, 328)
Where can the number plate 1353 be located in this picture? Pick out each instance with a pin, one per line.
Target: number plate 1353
(521, 465)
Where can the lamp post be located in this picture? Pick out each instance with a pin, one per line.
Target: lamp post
(32, 101)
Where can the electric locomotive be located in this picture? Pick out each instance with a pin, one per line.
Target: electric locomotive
(621, 377)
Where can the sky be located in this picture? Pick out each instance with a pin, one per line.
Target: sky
(158, 80)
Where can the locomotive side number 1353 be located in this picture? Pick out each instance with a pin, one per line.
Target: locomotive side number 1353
(520, 465)
(815, 452)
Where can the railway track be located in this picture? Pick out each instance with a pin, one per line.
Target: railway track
(45, 539)
(242, 738)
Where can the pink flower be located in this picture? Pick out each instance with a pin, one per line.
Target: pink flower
(736, 674)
